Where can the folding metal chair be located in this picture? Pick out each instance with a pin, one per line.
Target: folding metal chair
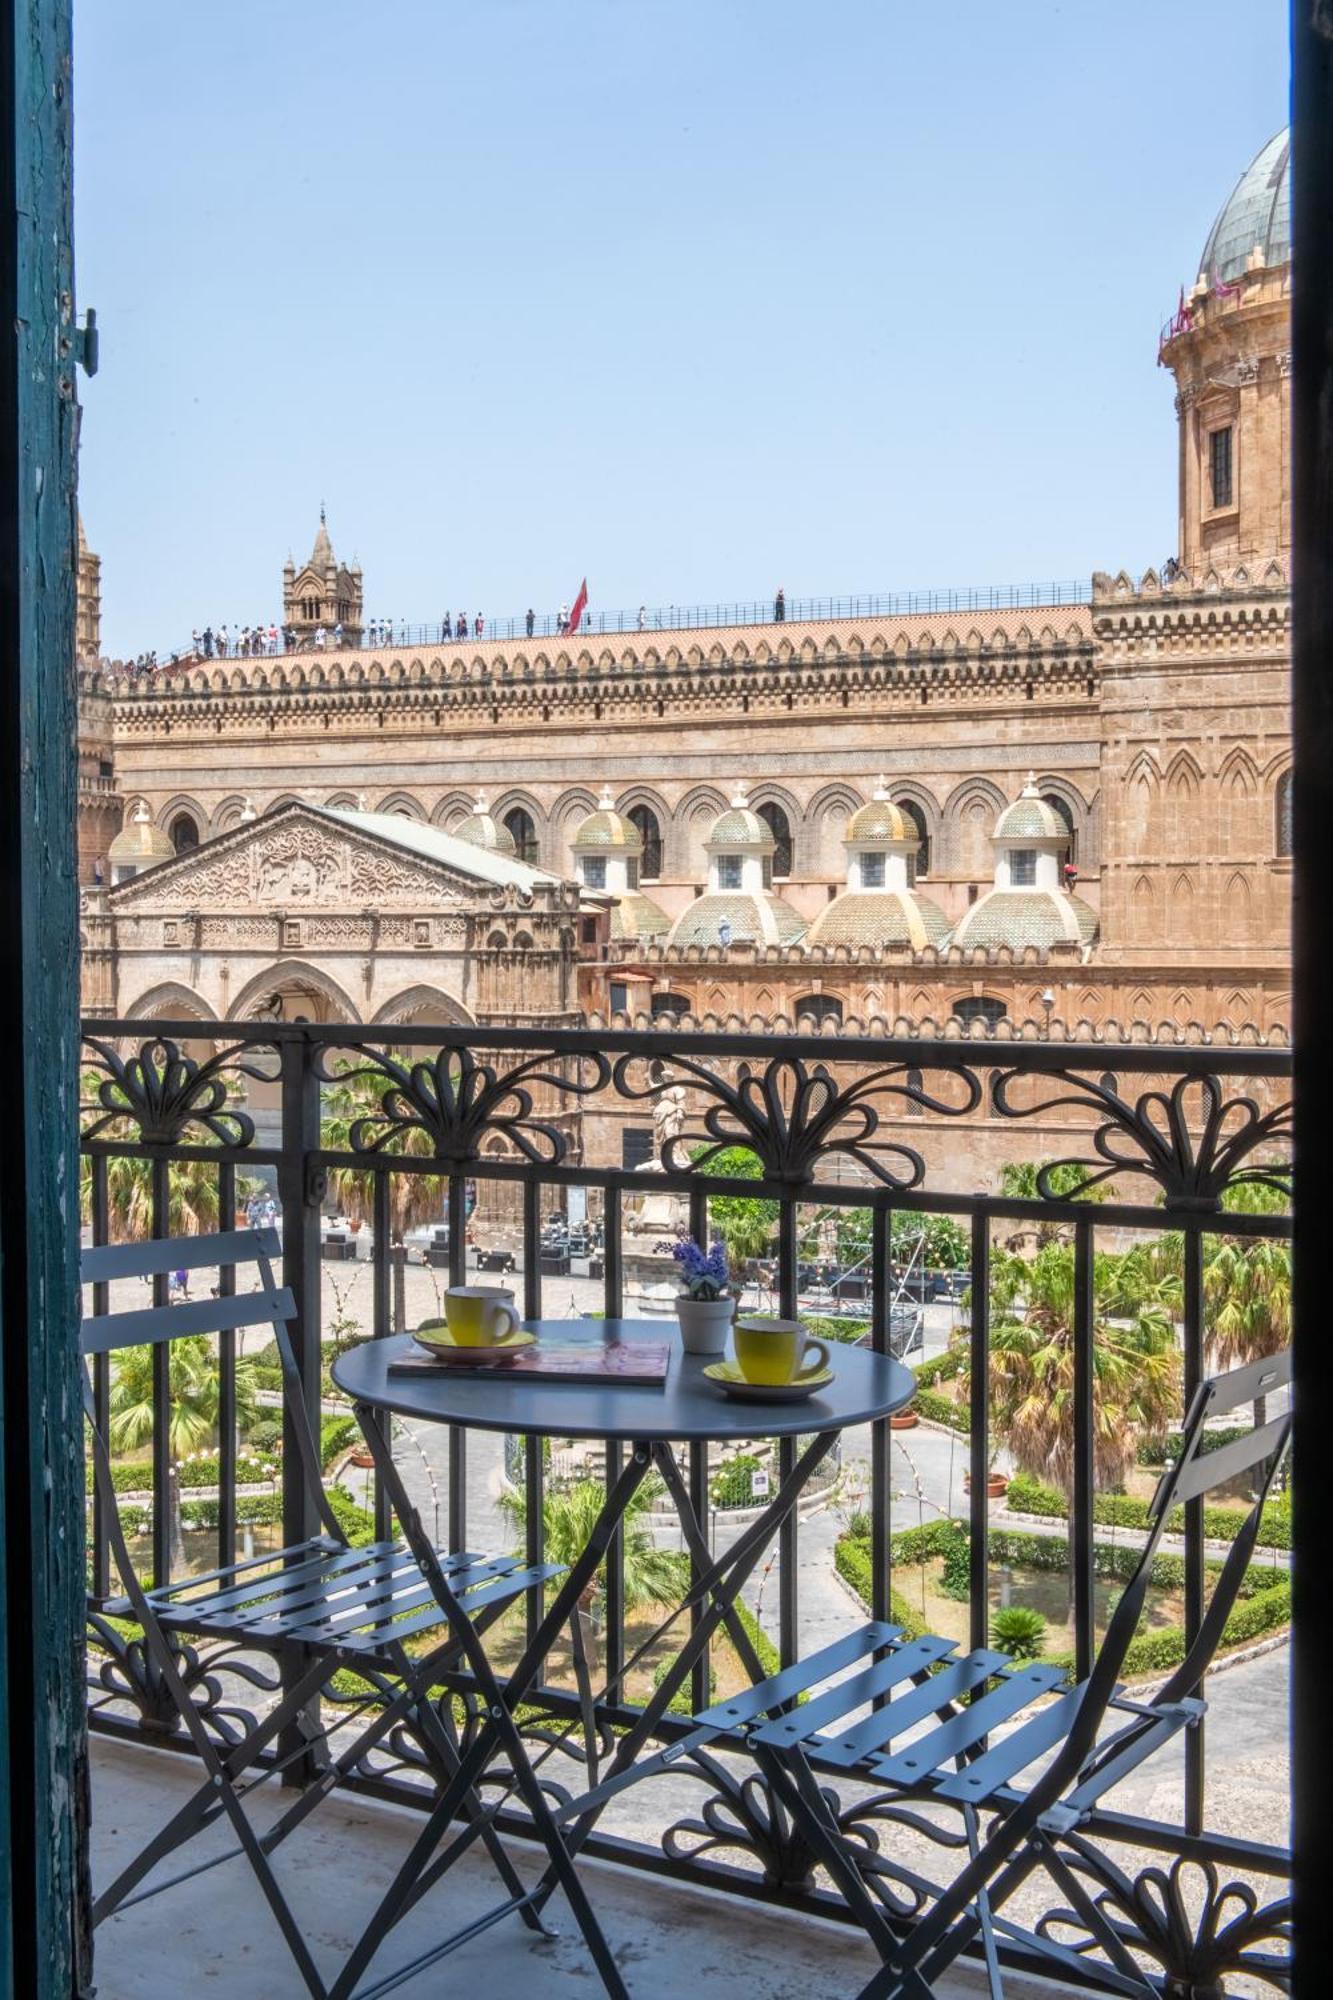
(320, 1603)
(892, 1686)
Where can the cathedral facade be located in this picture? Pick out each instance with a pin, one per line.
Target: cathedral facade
(1070, 819)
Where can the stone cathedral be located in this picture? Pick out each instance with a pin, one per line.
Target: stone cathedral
(1066, 820)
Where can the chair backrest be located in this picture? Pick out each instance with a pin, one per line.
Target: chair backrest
(269, 1304)
(1194, 1473)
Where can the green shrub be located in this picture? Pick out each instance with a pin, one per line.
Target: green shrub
(336, 1434)
(860, 1526)
(851, 1559)
(956, 1575)
(1121, 1510)
(266, 1434)
(940, 1367)
(355, 1522)
(938, 1409)
(1019, 1631)
(733, 1484)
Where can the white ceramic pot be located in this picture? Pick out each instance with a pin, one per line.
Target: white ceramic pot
(705, 1324)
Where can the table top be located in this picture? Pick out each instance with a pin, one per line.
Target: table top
(685, 1406)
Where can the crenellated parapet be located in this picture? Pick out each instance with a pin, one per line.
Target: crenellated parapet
(928, 1027)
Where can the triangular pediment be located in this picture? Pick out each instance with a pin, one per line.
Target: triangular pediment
(295, 859)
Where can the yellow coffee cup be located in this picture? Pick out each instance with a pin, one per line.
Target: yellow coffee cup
(774, 1351)
(480, 1315)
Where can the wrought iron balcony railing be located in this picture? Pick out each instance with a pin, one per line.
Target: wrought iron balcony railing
(1170, 1149)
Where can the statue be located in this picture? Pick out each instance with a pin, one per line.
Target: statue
(668, 1122)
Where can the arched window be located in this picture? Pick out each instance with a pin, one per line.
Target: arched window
(912, 811)
(667, 1007)
(780, 827)
(524, 833)
(183, 833)
(1107, 1080)
(650, 861)
(1282, 815)
(816, 1008)
(1061, 806)
(979, 1007)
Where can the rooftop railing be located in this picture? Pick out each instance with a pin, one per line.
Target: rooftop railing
(1165, 1155)
(676, 617)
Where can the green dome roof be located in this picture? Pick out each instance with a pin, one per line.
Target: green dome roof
(880, 820)
(608, 828)
(739, 827)
(140, 841)
(1030, 818)
(880, 916)
(636, 916)
(481, 829)
(1256, 212)
(754, 920)
(1020, 917)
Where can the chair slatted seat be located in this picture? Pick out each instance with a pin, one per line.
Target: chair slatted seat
(321, 1602)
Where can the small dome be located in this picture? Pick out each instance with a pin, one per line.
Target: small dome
(761, 919)
(636, 916)
(481, 829)
(139, 843)
(1030, 818)
(880, 820)
(1256, 213)
(880, 916)
(1020, 917)
(608, 828)
(740, 828)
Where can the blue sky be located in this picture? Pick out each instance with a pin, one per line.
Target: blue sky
(694, 296)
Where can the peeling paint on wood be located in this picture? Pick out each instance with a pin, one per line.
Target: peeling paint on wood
(43, 1903)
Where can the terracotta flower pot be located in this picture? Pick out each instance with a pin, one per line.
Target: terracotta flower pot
(997, 1485)
(363, 1459)
(906, 1420)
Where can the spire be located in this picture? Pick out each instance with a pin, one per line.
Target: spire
(322, 553)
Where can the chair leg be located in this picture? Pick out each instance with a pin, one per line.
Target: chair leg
(790, 1775)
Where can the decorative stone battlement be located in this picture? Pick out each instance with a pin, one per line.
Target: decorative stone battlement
(925, 1028)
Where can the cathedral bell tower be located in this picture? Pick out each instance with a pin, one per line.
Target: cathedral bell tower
(1229, 348)
(322, 595)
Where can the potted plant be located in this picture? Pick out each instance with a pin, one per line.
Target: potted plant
(705, 1307)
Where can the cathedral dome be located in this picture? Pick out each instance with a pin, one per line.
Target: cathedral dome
(606, 828)
(739, 828)
(1030, 818)
(881, 820)
(737, 918)
(1256, 213)
(481, 829)
(880, 916)
(139, 844)
(1020, 917)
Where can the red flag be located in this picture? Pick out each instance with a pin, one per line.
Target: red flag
(580, 606)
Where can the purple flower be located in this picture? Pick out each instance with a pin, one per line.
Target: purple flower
(703, 1272)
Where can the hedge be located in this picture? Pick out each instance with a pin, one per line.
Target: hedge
(940, 1367)
(335, 1435)
(1153, 1452)
(356, 1523)
(1263, 1601)
(1121, 1510)
(137, 1476)
(938, 1409)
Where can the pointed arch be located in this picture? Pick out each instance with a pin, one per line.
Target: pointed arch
(421, 1001)
(284, 975)
(1180, 909)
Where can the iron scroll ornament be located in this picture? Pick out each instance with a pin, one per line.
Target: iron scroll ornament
(455, 1101)
(1152, 1137)
(792, 1116)
(165, 1091)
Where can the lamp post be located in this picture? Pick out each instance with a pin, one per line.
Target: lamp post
(1047, 1002)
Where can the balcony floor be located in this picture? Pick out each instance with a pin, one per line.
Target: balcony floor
(215, 1936)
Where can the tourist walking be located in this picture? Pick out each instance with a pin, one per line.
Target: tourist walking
(460, 625)
(643, 617)
(562, 620)
(780, 605)
(478, 626)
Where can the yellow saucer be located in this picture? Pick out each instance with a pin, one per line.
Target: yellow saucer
(439, 1342)
(728, 1378)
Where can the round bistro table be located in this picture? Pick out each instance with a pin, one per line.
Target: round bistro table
(649, 1417)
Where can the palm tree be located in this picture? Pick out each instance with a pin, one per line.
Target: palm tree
(1136, 1367)
(192, 1196)
(413, 1198)
(1247, 1298)
(569, 1514)
(192, 1418)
